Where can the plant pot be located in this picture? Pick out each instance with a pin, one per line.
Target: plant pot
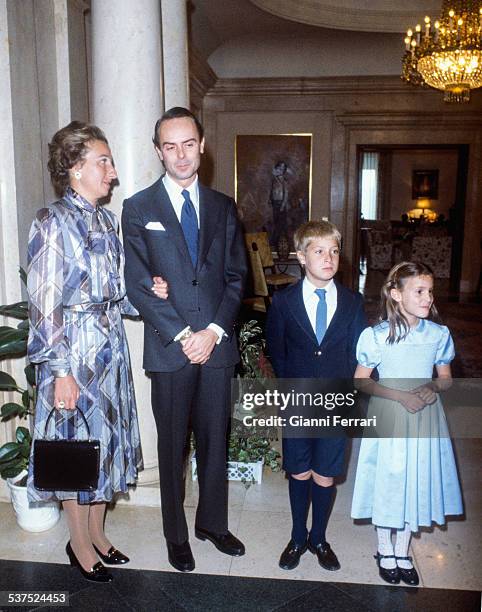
(237, 470)
(34, 517)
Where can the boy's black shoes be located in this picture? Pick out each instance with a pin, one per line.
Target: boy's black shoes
(291, 555)
(326, 557)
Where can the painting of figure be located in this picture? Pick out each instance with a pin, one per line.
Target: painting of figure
(425, 184)
(273, 183)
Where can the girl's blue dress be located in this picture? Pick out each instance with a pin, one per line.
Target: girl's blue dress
(409, 479)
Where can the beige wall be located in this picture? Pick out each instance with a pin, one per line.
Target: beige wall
(403, 162)
(318, 124)
(326, 53)
(342, 114)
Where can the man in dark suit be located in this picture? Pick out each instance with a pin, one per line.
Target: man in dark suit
(190, 236)
(312, 331)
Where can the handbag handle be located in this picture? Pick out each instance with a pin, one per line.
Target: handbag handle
(81, 414)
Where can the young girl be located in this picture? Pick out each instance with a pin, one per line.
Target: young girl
(404, 483)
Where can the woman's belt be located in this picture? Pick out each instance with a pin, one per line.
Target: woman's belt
(93, 306)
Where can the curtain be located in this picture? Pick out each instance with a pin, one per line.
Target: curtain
(370, 187)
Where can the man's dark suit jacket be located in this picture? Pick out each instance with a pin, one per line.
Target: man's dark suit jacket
(211, 293)
(292, 345)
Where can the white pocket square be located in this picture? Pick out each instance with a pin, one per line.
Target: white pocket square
(155, 225)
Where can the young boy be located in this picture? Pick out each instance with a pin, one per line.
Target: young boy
(312, 330)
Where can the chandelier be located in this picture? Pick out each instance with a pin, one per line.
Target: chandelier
(447, 55)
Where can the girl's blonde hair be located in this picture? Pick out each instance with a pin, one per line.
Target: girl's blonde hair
(399, 327)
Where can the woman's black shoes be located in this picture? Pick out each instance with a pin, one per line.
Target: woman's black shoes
(112, 556)
(408, 576)
(392, 576)
(97, 574)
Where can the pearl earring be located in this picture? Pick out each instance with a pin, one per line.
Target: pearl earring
(78, 175)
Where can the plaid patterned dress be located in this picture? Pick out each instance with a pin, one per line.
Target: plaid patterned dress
(76, 297)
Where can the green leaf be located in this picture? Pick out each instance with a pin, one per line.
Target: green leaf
(22, 434)
(7, 383)
(10, 334)
(14, 349)
(9, 451)
(17, 311)
(12, 341)
(30, 374)
(12, 409)
(12, 472)
(23, 275)
(26, 399)
(13, 463)
(25, 448)
(243, 456)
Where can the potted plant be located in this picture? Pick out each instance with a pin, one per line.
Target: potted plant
(249, 451)
(14, 455)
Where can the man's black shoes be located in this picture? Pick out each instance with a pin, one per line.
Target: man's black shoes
(291, 555)
(225, 542)
(180, 556)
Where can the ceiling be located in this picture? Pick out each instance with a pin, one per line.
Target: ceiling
(213, 22)
(360, 15)
(249, 38)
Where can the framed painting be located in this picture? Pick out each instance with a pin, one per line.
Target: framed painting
(273, 183)
(425, 184)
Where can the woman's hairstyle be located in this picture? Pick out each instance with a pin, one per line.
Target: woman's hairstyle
(315, 229)
(399, 327)
(69, 146)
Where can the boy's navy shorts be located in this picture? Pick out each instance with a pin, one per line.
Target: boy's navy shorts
(325, 456)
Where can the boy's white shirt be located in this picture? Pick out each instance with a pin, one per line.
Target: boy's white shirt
(310, 300)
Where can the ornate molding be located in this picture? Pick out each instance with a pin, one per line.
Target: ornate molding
(458, 120)
(201, 76)
(385, 17)
(311, 86)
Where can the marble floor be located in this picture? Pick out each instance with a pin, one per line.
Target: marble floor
(447, 558)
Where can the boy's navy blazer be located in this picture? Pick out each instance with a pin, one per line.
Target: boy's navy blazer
(292, 345)
(210, 293)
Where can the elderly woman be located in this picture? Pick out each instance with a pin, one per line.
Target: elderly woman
(77, 339)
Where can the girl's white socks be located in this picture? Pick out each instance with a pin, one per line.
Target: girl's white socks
(401, 546)
(385, 547)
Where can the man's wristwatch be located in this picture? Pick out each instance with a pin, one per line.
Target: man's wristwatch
(187, 334)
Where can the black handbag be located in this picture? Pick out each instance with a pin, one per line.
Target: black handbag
(66, 465)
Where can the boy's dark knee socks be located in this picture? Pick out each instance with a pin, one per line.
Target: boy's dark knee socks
(321, 500)
(299, 500)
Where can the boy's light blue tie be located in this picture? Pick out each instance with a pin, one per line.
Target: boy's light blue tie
(189, 226)
(321, 314)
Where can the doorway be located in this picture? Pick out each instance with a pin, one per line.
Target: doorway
(411, 206)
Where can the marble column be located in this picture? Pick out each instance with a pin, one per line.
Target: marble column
(9, 248)
(175, 53)
(126, 102)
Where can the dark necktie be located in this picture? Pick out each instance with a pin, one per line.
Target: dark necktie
(321, 314)
(189, 226)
